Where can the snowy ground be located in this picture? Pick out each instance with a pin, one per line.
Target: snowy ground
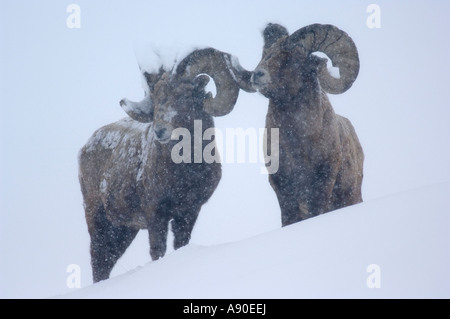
(58, 85)
(394, 247)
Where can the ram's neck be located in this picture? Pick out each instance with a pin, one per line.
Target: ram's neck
(301, 115)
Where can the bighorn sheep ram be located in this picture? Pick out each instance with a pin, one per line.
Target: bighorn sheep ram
(320, 156)
(127, 176)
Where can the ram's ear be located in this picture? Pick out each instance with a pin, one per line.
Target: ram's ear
(201, 81)
(317, 63)
(199, 92)
(140, 111)
(151, 79)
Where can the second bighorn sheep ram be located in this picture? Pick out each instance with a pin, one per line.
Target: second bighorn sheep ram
(320, 156)
(127, 176)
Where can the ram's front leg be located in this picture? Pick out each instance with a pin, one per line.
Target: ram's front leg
(183, 225)
(158, 224)
(321, 191)
(284, 185)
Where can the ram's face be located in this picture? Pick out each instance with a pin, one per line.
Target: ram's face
(171, 100)
(278, 74)
(168, 101)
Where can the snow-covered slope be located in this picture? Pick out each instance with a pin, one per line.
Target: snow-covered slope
(399, 244)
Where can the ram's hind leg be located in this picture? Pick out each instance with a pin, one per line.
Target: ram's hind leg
(108, 243)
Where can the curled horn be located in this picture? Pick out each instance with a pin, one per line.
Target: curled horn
(140, 111)
(143, 111)
(219, 66)
(338, 46)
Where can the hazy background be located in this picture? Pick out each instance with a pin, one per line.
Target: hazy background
(58, 85)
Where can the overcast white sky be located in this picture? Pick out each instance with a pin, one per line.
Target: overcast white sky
(58, 85)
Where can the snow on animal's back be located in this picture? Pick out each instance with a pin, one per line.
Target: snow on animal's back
(122, 131)
(113, 161)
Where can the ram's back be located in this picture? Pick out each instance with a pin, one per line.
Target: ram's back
(110, 168)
